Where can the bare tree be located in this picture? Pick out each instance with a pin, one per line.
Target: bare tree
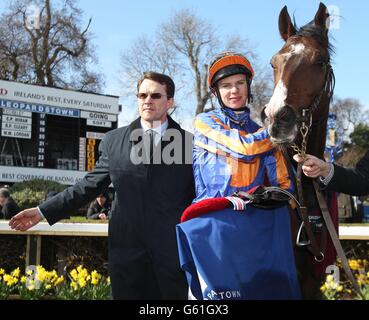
(13, 48)
(262, 90)
(145, 54)
(48, 46)
(183, 47)
(349, 112)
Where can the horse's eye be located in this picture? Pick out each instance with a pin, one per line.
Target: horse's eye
(320, 62)
(271, 64)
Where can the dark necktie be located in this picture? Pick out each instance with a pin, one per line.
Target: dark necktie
(151, 135)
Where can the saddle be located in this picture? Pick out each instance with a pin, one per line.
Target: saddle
(264, 197)
(261, 197)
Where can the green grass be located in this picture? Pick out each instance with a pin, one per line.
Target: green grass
(81, 219)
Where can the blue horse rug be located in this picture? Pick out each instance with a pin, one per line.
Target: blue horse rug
(238, 255)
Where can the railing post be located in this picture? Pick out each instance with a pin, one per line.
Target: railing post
(33, 254)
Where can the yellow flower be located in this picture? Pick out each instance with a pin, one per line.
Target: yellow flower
(340, 288)
(83, 273)
(54, 274)
(79, 268)
(354, 264)
(10, 280)
(74, 285)
(23, 279)
(59, 280)
(330, 285)
(41, 274)
(2, 271)
(82, 282)
(95, 277)
(16, 272)
(323, 288)
(7, 277)
(48, 286)
(367, 275)
(29, 272)
(108, 280)
(74, 274)
(329, 278)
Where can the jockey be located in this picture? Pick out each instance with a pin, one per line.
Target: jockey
(232, 152)
(227, 254)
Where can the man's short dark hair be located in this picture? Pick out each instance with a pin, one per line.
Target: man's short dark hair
(4, 193)
(161, 78)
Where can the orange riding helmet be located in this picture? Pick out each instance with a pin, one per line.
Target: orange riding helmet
(227, 64)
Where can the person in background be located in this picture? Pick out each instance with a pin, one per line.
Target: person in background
(8, 207)
(99, 208)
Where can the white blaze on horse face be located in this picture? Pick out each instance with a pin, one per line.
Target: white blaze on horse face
(277, 101)
(295, 49)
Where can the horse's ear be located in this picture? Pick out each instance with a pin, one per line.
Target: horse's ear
(322, 17)
(286, 28)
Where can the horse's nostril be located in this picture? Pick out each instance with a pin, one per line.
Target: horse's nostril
(283, 114)
(286, 114)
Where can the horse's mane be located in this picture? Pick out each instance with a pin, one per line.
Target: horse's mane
(320, 35)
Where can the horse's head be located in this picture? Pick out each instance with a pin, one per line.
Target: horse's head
(302, 76)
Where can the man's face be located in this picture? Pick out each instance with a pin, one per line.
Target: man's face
(2, 200)
(149, 108)
(101, 200)
(233, 91)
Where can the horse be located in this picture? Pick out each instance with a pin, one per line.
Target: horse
(296, 117)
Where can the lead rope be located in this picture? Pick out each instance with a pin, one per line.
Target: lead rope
(312, 242)
(335, 239)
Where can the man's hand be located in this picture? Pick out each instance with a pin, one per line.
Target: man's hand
(25, 219)
(102, 216)
(312, 166)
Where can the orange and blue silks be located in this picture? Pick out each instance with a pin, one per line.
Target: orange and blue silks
(229, 157)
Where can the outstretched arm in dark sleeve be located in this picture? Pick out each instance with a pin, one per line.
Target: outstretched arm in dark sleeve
(71, 198)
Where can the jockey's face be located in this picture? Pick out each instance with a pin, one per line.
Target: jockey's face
(234, 91)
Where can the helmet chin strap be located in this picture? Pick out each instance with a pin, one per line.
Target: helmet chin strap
(237, 110)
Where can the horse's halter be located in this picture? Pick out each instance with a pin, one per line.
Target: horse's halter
(306, 117)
